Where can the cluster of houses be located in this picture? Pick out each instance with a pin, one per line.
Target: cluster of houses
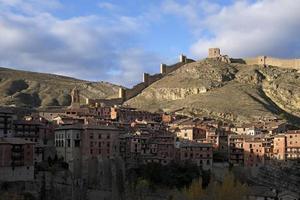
(79, 133)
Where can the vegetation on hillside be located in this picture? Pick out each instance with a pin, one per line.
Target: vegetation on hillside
(34, 90)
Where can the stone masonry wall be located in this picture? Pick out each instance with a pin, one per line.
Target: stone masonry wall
(282, 63)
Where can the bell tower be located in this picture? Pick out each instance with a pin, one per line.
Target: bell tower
(75, 96)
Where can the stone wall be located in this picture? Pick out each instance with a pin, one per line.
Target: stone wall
(282, 63)
(285, 63)
(214, 52)
(149, 79)
(165, 69)
(135, 90)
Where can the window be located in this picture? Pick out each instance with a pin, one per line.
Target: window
(77, 143)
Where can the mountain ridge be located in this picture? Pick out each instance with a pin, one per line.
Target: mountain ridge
(208, 87)
(34, 89)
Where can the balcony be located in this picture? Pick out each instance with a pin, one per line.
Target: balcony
(17, 156)
(18, 150)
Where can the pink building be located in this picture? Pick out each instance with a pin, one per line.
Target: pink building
(16, 159)
(236, 150)
(200, 154)
(287, 146)
(130, 115)
(146, 147)
(78, 143)
(38, 131)
(254, 152)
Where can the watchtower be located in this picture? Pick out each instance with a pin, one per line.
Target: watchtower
(214, 53)
(182, 58)
(146, 78)
(163, 68)
(122, 93)
(261, 60)
(75, 97)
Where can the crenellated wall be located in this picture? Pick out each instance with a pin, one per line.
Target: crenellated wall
(149, 79)
(282, 63)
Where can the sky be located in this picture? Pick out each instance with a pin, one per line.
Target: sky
(117, 40)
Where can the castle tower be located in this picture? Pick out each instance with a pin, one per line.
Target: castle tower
(261, 60)
(75, 96)
(163, 68)
(122, 93)
(214, 52)
(146, 78)
(182, 58)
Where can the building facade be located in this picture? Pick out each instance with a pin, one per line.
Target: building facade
(16, 159)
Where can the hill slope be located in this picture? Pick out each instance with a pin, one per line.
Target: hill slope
(235, 92)
(22, 88)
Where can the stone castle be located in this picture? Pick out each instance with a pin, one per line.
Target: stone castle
(259, 60)
(213, 53)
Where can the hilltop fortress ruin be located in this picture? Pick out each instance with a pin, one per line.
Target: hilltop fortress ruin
(213, 53)
(259, 60)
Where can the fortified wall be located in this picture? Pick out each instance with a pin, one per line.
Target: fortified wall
(125, 94)
(149, 79)
(213, 53)
(282, 63)
(259, 60)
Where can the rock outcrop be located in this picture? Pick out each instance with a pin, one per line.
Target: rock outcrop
(231, 91)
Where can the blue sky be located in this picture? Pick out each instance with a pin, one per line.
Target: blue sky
(116, 41)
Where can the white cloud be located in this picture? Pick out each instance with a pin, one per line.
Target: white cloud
(248, 29)
(108, 6)
(29, 7)
(88, 47)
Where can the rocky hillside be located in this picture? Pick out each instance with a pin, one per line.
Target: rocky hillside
(35, 90)
(236, 92)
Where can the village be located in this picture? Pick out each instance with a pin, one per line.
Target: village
(80, 135)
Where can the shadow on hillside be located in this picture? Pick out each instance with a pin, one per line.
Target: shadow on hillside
(274, 108)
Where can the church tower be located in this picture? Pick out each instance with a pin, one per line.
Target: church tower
(75, 96)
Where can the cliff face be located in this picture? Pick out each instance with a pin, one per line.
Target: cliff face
(31, 89)
(236, 92)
